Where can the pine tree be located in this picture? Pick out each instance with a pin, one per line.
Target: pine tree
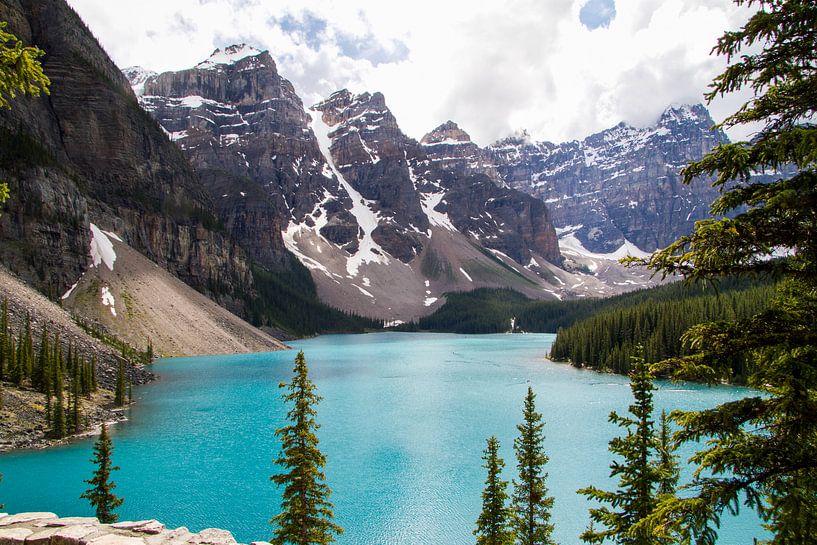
(494, 524)
(119, 393)
(58, 424)
(39, 378)
(27, 357)
(18, 370)
(101, 495)
(638, 472)
(94, 385)
(760, 450)
(531, 503)
(75, 392)
(667, 459)
(306, 512)
(4, 332)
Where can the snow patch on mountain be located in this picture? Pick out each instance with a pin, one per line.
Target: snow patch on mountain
(137, 76)
(369, 251)
(569, 244)
(429, 201)
(108, 300)
(101, 248)
(230, 55)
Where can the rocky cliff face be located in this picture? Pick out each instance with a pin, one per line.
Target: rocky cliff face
(88, 152)
(622, 183)
(340, 186)
(451, 149)
(246, 132)
(619, 185)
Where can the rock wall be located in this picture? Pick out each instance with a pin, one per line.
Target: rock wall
(88, 152)
(244, 129)
(43, 528)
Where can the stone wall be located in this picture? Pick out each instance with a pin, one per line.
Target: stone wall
(49, 529)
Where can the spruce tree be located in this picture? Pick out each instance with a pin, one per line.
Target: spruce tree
(75, 393)
(58, 424)
(94, 385)
(306, 512)
(39, 379)
(119, 392)
(28, 349)
(531, 503)
(100, 495)
(4, 326)
(495, 522)
(667, 459)
(637, 472)
(760, 450)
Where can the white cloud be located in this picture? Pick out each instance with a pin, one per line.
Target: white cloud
(493, 67)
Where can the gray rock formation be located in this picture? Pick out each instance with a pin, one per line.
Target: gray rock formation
(452, 149)
(88, 152)
(246, 132)
(360, 185)
(44, 528)
(387, 166)
(621, 183)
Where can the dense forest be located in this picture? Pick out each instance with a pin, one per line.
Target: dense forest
(288, 302)
(607, 340)
(489, 310)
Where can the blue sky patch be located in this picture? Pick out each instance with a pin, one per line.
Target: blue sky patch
(308, 28)
(597, 13)
(370, 49)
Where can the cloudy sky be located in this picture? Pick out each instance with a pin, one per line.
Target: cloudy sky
(561, 69)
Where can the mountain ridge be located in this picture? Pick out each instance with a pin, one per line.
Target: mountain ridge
(355, 193)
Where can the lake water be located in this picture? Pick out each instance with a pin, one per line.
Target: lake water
(404, 421)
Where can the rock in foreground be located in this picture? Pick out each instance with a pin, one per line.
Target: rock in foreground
(49, 529)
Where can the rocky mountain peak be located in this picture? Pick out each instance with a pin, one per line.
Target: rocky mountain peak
(448, 133)
(364, 109)
(519, 137)
(686, 114)
(137, 76)
(620, 185)
(248, 56)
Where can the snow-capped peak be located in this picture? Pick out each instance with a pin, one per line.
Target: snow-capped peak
(685, 113)
(229, 55)
(137, 76)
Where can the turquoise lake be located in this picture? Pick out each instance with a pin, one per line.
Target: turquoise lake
(403, 425)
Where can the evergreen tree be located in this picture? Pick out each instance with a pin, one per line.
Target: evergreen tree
(20, 72)
(27, 358)
(494, 524)
(75, 392)
(531, 503)
(20, 69)
(119, 392)
(667, 459)
(58, 424)
(638, 472)
(4, 332)
(306, 512)
(40, 377)
(94, 385)
(100, 495)
(18, 371)
(762, 449)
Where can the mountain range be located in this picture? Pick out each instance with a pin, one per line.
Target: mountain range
(225, 179)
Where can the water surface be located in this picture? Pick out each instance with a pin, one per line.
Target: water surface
(404, 421)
